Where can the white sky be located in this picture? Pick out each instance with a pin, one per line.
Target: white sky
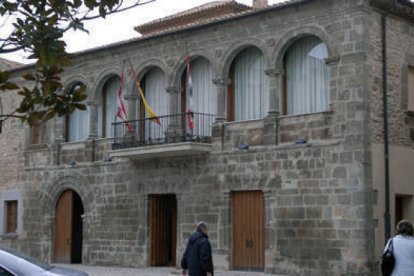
(120, 26)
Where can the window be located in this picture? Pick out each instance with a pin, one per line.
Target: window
(157, 98)
(107, 107)
(77, 123)
(204, 91)
(155, 93)
(11, 221)
(11, 216)
(38, 133)
(306, 79)
(247, 96)
(204, 100)
(410, 88)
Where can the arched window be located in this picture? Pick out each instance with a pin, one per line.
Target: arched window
(155, 94)
(247, 97)
(77, 123)
(107, 107)
(157, 98)
(204, 97)
(204, 91)
(306, 82)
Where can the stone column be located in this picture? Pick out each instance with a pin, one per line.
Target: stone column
(275, 77)
(173, 130)
(332, 63)
(93, 119)
(271, 120)
(221, 98)
(131, 100)
(132, 111)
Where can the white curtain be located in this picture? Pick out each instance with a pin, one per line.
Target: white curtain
(204, 96)
(307, 76)
(251, 85)
(78, 125)
(157, 99)
(204, 91)
(110, 92)
(155, 93)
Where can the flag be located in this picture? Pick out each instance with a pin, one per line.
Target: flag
(121, 111)
(151, 114)
(190, 113)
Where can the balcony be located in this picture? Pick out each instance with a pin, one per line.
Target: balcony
(164, 136)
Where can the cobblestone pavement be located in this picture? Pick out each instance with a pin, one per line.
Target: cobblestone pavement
(120, 271)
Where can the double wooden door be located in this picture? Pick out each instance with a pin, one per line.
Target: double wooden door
(163, 229)
(248, 216)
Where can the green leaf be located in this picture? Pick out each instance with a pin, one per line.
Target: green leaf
(9, 86)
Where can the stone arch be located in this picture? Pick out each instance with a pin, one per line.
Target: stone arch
(235, 49)
(102, 78)
(147, 65)
(144, 68)
(68, 83)
(52, 191)
(294, 34)
(194, 54)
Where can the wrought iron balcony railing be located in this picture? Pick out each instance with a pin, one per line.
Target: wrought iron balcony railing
(163, 130)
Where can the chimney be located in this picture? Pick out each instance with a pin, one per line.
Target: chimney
(259, 4)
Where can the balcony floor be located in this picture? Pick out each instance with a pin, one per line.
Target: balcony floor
(162, 150)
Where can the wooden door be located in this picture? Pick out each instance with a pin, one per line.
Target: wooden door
(248, 230)
(163, 230)
(63, 227)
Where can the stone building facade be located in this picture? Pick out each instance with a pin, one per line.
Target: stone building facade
(311, 182)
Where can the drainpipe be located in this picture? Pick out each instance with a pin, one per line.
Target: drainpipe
(387, 216)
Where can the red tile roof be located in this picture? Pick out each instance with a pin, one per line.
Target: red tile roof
(195, 16)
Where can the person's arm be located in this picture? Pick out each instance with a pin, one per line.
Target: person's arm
(184, 264)
(206, 261)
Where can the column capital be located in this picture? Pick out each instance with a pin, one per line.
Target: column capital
(173, 89)
(273, 72)
(131, 97)
(332, 60)
(222, 81)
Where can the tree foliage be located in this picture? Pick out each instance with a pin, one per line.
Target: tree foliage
(38, 27)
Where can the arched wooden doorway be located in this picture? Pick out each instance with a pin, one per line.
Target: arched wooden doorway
(68, 228)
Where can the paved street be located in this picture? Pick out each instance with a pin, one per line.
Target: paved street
(118, 271)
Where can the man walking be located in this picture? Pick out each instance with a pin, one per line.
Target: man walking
(197, 257)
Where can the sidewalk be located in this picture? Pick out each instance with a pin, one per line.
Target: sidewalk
(122, 271)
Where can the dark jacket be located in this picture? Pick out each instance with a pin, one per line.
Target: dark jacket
(197, 256)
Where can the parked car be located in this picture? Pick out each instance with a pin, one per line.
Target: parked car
(14, 263)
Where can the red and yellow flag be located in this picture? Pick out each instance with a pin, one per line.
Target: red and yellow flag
(151, 114)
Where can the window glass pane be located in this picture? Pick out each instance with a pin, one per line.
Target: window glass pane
(251, 85)
(78, 125)
(204, 91)
(204, 96)
(111, 91)
(157, 98)
(307, 76)
(37, 131)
